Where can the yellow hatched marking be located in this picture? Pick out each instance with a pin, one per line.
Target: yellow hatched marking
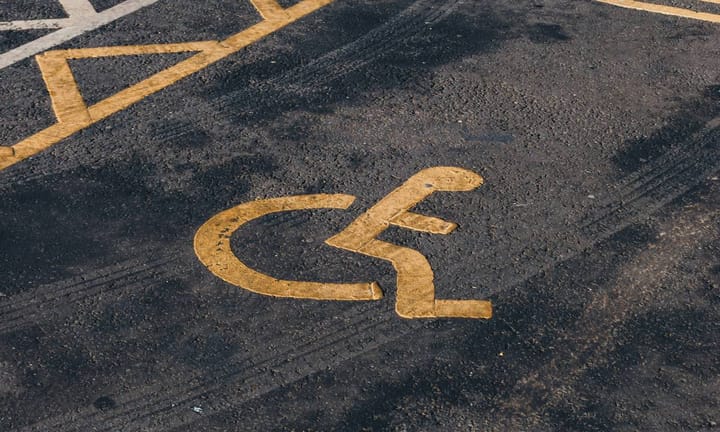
(73, 114)
(666, 10)
(81, 53)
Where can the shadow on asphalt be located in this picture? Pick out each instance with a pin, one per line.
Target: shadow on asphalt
(551, 358)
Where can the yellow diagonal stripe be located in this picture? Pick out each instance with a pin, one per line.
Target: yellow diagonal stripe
(666, 10)
(70, 109)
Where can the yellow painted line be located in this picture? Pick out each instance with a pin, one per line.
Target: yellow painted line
(269, 9)
(67, 102)
(423, 223)
(415, 287)
(74, 115)
(170, 48)
(212, 246)
(666, 10)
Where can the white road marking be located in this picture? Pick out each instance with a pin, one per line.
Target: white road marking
(35, 24)
(82, 19)
(77, 7)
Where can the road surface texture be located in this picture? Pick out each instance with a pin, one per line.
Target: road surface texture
(595, 235)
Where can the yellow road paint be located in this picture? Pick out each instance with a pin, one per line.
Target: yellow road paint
(423, 223)
(212, 246)
(667, 10)
(269, 9)
(415, 288)
(74, 115)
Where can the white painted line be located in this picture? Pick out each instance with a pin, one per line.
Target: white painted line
(77, 11)
(78, 8)
(35, 24)
(76, 25)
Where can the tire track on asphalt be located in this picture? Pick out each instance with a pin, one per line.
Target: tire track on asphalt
(315, 75)
(609, 309)
(590, 351)
(358, 316)
(318, 356)
(138, 409)
(414, 20)
(40, 312)
(642, 193)
(174, 409)
(678, 171)
(30, 308)
(20, 301)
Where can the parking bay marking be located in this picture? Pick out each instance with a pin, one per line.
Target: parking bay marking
(82, 18)
(74, 115)
(415, 296)
(666, 10)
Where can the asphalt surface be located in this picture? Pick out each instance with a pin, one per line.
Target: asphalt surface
(596, 234)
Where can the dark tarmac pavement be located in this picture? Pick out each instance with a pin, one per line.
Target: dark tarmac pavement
(596, 233)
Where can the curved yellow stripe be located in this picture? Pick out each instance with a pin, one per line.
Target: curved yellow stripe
(71, 111)
(212, 246)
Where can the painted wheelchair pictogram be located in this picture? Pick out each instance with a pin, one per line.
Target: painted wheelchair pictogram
(415, 287)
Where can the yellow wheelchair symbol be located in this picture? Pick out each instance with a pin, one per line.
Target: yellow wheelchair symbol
(415, 287)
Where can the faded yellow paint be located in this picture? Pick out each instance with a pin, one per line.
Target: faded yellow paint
(67, 102)
(423, 223)
(74, 115)
(212, 246)
(415, 287)
(667, 10)
(269, 9)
